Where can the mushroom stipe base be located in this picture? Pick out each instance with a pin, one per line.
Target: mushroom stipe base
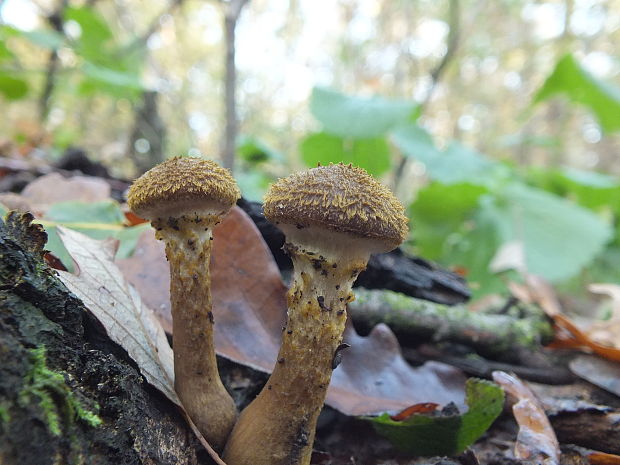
(278, 427)
(188, 242)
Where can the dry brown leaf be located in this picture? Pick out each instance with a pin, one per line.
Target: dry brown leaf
(536, 439)
(568, 335)
(537, 290)
(53, 188)
(601, 458)
(599, 372)
(117, 305)
(249, 306)
(146, 270)
(607, 332)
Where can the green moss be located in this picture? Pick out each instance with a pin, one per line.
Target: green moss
(57, 402)
(5, 416)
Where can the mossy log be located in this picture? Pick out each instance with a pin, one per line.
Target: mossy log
(68, 394)
(414, 321)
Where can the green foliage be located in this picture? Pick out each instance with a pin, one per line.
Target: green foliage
(13, 88)
(414, 142)
(95, 33)
(592, 190)
(44, 38)
(473, 245)
(255, 158)
(579, 86)
(559, 237)
(449, 432)
(105, 67)
(473, 206)
(438, 212)
(371, 154)
(253, 184)
(55, 399)
(5, 416)
(99, 220)
(357, 117)
(253, 151)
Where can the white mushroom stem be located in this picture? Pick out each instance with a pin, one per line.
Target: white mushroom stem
(197, 382)
(278, 427)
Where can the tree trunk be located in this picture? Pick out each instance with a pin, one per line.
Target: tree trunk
(231, 15)
(68, 394)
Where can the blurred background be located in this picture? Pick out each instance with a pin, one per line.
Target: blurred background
(497, 123)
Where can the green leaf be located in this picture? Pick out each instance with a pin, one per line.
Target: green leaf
(255, 151)
(45, 38)
(115, 83)
(579, 86)
(473, 245)
(358, 117)
(456, 164)
(11, 87)
(99, 220)
(95, 31)
(107, 212)
(559, 237)
(438, 211)
(253, 184)
(450, 433)
(593, 190)
(371, 154)
(415, 142)
(591, 178)
(5, 53)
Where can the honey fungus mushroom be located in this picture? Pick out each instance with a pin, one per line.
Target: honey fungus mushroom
(333, 217)
(184, 198)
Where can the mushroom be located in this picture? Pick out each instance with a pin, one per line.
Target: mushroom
(333, 217)
(184, 198)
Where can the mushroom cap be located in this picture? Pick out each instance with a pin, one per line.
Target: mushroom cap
(183, 185)
(340, 198)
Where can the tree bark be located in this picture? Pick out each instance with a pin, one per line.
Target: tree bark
(231, 16)
(68, 394)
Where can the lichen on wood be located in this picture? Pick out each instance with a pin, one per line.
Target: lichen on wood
(414, 320)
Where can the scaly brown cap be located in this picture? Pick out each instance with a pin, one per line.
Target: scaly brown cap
(341, 198)
(181, 185)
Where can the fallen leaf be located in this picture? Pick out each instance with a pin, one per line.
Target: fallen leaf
(249, 306)
(150, 274)
(599, 372)
(117, 305)
(426, 407)
(98, 220)
(53, 188)
(536, 439)
(445, 432)
(601, 458)
(607, 332)
(568, 335)
(537, 290)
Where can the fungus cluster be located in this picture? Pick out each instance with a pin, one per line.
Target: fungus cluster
(184, 198)
(333, 217)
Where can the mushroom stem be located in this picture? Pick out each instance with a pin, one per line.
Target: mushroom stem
(197, 382)
(278, 427)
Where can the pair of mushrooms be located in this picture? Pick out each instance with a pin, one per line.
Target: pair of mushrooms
(333, 217)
